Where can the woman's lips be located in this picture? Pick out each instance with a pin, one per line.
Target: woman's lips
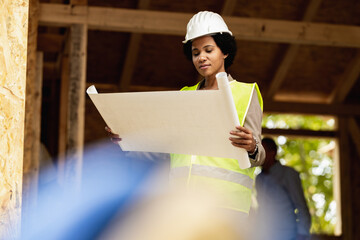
(205, 66)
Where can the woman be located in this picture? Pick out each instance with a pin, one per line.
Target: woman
(209, 44)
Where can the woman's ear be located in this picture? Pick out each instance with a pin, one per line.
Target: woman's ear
(225, 56)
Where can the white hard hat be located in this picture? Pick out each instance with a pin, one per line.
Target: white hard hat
(205, 23)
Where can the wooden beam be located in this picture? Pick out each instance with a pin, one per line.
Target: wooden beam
(48, 42)
(354, 131)
(346, 184)
(32, 141)
(31, 162)
(64, 91)
(299, 133)
(130, 61)
(171, 23)
(291, 53)
(51, 71)
(311, 108)
(325, 237)
(104, 86)
(70, 144)
(142, 88)
(76, 104)
(228, 7)
(78, 2)
(132, 54)
(348, 80)
(303, 96)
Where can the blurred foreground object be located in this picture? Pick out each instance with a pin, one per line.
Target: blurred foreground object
(124, 198)
(177, 217)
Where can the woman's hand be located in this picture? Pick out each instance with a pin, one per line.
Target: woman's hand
(115, 138)
(243, 138)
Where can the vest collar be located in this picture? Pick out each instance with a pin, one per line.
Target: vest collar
(202, 82)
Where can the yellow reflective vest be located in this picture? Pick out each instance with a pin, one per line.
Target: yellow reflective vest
(221, 175)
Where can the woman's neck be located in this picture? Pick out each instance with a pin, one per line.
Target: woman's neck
(210, 83)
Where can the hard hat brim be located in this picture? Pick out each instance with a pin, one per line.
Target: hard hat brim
(207, 34)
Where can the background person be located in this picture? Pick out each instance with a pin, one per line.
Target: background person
(283, 212)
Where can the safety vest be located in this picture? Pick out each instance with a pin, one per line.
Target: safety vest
(221, 175)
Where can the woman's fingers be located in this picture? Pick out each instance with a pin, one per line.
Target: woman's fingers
(115, 138)
(242, 137)
(243, 129)
(108, 129)
(242, 132)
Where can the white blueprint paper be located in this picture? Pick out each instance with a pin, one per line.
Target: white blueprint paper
(184, 122)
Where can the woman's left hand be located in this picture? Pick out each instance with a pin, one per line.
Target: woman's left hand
(243, 138)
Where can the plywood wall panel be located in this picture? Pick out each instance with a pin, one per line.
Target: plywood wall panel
(13, 54)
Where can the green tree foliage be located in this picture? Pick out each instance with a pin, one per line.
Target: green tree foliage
(313, 162)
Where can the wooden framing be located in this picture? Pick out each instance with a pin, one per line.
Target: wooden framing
(291, 53)
(32, 127)
(299, 133)
(157, 22)
(50, 42)
(345, 183)
(132, 53)
(354, 131)
(78, 2)
(311, 108)
(64, 86)
(76, 103)
(350, 77)
(228, 7)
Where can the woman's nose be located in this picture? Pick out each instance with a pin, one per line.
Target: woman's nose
(202, 58)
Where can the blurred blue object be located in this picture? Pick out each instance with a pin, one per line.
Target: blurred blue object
(111, 182)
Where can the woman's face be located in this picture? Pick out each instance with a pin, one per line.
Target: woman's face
(207, 57)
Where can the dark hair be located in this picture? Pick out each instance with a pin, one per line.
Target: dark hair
(270, 143)
(224, 41)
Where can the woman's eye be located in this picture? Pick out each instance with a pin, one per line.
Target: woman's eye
(209, 51)
(195, 54)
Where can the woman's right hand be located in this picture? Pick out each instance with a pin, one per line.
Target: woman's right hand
(115, 138)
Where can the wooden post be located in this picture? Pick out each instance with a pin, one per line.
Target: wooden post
(132, 54)
(345, 176)
(76, 103)
(64, 92)
(32, 115)
(13, 52)
(32, 140)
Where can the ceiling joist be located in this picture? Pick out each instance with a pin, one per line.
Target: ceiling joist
(311, 108)
(228, 7)
(132, 54)
(50, 42)
(354, 131)
(350, 77)
(298, 133)
(291, 53)
(172, 23)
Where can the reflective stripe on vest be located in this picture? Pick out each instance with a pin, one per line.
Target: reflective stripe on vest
(213, 172)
